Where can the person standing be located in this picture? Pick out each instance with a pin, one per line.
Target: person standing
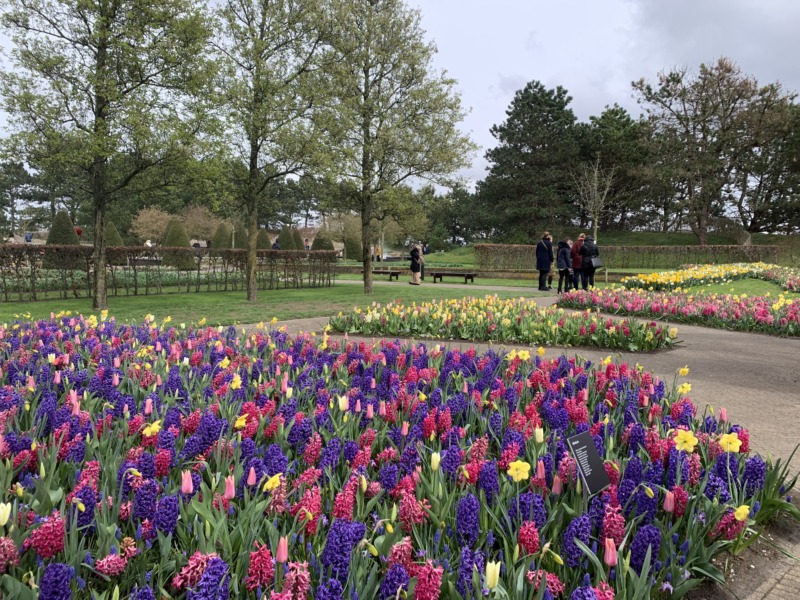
(416, 265)
(577, 262)
(589, 250)
(544, 260)
(563, 264)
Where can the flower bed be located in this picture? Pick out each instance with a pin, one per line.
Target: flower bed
(763, 314)
(207, 464)
(512, 321)
(697, 275)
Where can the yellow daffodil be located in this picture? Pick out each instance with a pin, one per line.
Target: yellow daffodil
(684, 371)
(540, 351)
(519, 470)
(152, 429)
(236, 382)
(684, 388)
(272, 482)
(223, 364)
(742, 513)
(685, 441)
(241, 422)
(730, 442)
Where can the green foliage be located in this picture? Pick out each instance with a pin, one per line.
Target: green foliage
(240, 237)
(62, 233)
(263, 241)
(113, 238)
(175, 237)
(298, 240)
(352, 246)
(322, 242)
(222, 237)
(286, 239)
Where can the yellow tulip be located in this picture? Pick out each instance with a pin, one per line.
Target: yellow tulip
(435, 459)
(5, 513)
(492, 574)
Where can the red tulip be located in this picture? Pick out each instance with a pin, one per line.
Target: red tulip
(610, 554)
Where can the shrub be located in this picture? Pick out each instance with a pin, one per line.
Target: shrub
(352, 247)
(222, 237)
(62, 233)
(286, 239)
(114, 239)
(150, 224)
(175, 237)
(240, 237)
(322, 242)
(263, 242)
(298, 240)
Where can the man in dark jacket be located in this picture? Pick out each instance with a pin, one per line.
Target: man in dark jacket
(563, 264)
(588, 251)
(544, 260)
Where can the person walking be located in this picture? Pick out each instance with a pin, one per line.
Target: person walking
(416, 264)
(544, 260)
(588, 251)
(563, 264)
(577, 261)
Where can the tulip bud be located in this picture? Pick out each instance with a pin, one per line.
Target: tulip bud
(540, 474)
(610, 553)
(404, 428)
(187, 485)
(556, 485)
(370, 411)
(382, 408)
(148, 406)
(669, 502)
(435, 460)
(230, 491)
(723, 414)
(251, 476)
(358, 405)
(344, 403)
(538, 435)
(282, 555)
(5, 513)
(492, 574)
(57, 377)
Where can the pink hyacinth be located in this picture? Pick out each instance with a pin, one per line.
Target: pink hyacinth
(9, 557)
(112, 565)
(261, 570)
(192, 572)
(429, 582)
(48, 540)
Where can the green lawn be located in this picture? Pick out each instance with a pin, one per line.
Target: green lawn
(232, 307)
(751, 287)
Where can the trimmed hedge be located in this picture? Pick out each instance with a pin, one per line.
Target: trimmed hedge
(263, 242)
(222, 237)
(175, 237)
(286, 239)
(62, 233)
(322, 242)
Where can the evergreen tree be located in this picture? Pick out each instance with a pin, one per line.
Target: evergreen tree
(262, 240)
(222, 237)
(240, 237)
(62, 233)
(286, 239)
(175, 237)
(298, 240)
(322, 242)
(114, 239)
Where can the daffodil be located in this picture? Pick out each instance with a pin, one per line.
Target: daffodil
(685, 440)
(730, 442)
(742, 513)
(152, 429)
(684, 371)
(241, 422)
(236, 382)
(519, 470)
(272, 482)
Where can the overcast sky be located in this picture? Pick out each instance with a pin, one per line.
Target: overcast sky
(595, 49)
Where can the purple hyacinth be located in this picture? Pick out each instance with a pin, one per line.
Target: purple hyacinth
(143, 593)
(396, 579)
(647, 537)
(467, 523)
(167, 514)
(388, 476)
(526, 507)
(342, 538)
(585, 591)
(755, 473)
(274, 460)
(213, 584)
(727, 467)
(488, 481)
(89, 500)
(717, 486)
(330, 590)
(144, 501)
(580, 528)
(55, 581)
(452, 460)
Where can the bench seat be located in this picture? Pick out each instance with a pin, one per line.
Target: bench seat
(468, 276)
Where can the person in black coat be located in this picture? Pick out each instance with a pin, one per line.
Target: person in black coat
(416, 265)
(563, 264)
(588, 251)
(544, 260)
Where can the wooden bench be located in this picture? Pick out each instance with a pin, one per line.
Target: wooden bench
(439, 274)
(390, 272)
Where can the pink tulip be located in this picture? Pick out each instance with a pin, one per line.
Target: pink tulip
(247, 344)
(382, 408)
(115, 379)
(556, 485)
(358, 405)
(158, 380)
(290, 360)
(116, 362)
(188, 344)
(76, 408)
(610, 554)
(148, 406)
(465, 388)
(723, 414)
(31, 382)
(372, 384)
(282, 555)
(540, 470)
(251, 477)
(73, 397)
(669, 502)
(52, 316)
(230, 491)
(158, 346)
(77, 340)
(370, 411)
(57, 377)
(404, 428)
(187, 486)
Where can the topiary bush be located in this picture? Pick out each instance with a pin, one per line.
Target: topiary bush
(322, 242)
(175, 237)
(286, 239)
(298, 239)
(62, 233)
(352, 247)
(263, 242)
(240, 237)
(222, 237)
(114, 240)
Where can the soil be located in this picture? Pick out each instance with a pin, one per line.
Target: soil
(762, 561)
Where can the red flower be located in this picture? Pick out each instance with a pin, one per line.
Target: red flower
(112, 565)
(48, 540)
(261, 570)
(429, 582)
(9, 557)
(529, 537)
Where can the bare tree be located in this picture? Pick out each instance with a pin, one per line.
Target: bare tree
(593, 184)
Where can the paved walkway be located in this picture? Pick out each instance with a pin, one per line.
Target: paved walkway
(756, 377)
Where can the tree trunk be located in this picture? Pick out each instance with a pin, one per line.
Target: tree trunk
(100, 300)
(366, 237)
(252, 223)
